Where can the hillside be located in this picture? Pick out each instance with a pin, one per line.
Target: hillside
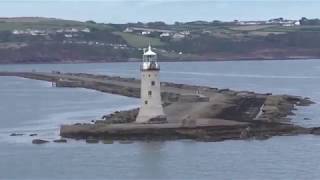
(49, 40)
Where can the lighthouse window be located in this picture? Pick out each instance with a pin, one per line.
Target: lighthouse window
(149, 75)
(149, 93)
(145, 102)
(152, 83)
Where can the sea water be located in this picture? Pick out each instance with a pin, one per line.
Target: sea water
(30, 106)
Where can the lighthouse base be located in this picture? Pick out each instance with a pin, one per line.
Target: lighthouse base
(147, 115)
(152, 120)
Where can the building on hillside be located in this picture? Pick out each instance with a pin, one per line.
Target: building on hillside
(251, 22)
(145, 32)
(178, 36)
(86, 30)
(128, 30)
(165, 34)
(148, 30)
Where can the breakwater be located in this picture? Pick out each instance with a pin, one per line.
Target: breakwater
(194, 112)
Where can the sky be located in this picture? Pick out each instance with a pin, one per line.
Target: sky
(170, 11)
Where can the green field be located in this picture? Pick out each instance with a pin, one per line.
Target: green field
(46, 23)
(293, 29)
(139, 41)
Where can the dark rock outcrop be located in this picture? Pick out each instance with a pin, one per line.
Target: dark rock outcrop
(158, 120)
(39, 141)
(16, 134)
(92, 140)
(315, 131)
(125, 142)
(60, 141)
(107, 141)
(119, 117)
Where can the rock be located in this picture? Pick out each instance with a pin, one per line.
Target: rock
(262, 137)
(158, 120)
(108, 142)
(188, 122)
(92, 141)
(291, 113)
(245, 133)
(106, 117)
(125, 142)
(101, 122)
(119, 117)
(315, 131)
(16, 134)
(33, 134)
(39, 141)
(60, 141)
(305, 102)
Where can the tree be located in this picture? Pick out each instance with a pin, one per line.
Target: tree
(305, 21)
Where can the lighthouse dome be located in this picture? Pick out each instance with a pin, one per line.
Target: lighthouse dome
(149, 52)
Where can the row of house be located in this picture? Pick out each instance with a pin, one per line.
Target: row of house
(278, 21)
(96, 43)
(146, 30)
(38, 32)
(284, 22)
(162, 33)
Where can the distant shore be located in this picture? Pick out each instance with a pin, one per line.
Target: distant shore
(169, 60)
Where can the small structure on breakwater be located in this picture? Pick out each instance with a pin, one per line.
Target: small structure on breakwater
(151, 106)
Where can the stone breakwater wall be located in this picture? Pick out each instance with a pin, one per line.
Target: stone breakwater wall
(258, 130)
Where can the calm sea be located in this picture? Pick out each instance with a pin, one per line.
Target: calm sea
(29, 106)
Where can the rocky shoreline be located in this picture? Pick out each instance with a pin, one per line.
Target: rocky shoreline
(272, 122)
(194, 112)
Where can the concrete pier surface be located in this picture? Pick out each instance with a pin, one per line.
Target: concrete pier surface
(193, 112)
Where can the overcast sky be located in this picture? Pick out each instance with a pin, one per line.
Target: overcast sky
(122, 11)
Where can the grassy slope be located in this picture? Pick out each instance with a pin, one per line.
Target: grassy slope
(139, 41)
(220, 39)
(44, 23)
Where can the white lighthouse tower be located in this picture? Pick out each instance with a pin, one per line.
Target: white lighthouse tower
(150, 88)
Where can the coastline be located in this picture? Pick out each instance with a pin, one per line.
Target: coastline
(171, 60)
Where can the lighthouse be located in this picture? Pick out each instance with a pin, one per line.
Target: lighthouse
(151, 105)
